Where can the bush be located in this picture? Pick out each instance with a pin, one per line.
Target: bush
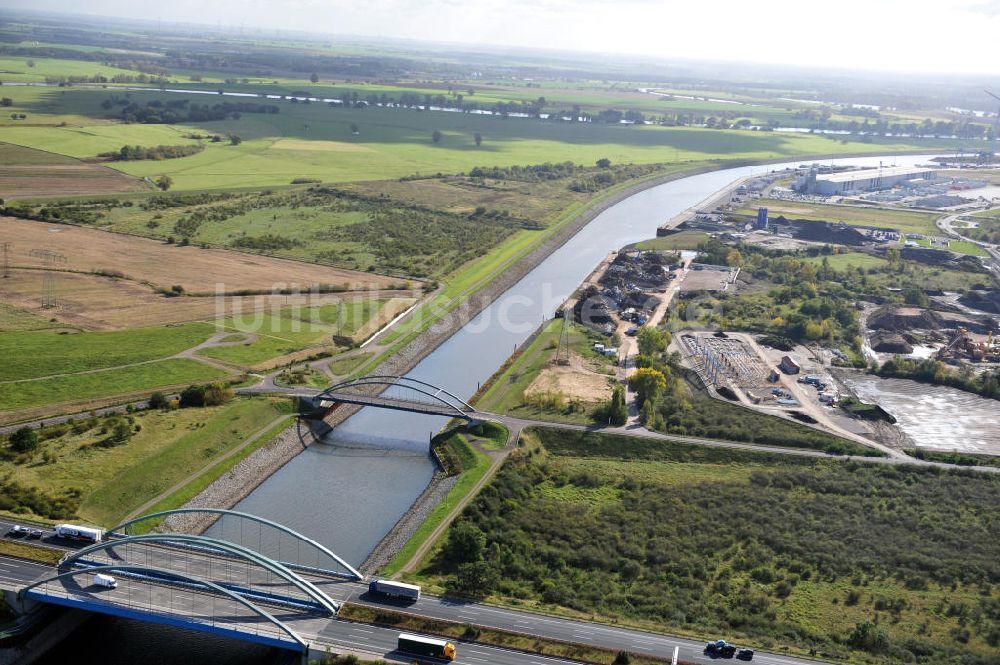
(24, 440)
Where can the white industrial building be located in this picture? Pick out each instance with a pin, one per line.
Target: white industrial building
(865, 180)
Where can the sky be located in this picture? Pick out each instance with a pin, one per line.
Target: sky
(919, 36)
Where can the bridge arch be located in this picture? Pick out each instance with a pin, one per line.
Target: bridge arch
(305, 586)
(322, 549)
(303, 645)
(440, 395)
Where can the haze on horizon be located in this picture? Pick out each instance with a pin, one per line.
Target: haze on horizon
(945, 36)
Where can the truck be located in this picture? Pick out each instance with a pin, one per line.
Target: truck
(396, 589)
(425, 646)
(106, 581)
(73, 532)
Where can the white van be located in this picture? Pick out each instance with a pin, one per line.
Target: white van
(106, 581)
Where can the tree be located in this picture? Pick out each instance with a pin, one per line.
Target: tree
(604, 162)
(465, 544)
(164, 182)
(121, 432)
(193, 396)
(618, 414)
(24, 440)
(217, 393)
(158, 400)
(235, 139)
(915, 296)
(647, 383)
(30, 63)
(478, 138)
(436, 136)
(621, 658)
(314, 77)
(652, 341)
(477, 579)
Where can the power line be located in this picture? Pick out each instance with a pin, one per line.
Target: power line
(50, 259)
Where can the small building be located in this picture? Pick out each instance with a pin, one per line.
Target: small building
(774, 377)
(762, 219)
(789, 366)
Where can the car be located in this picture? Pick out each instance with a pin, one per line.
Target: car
(18, 531)
(35, 534)
(720, 648)
(632, 332)
(744, 654)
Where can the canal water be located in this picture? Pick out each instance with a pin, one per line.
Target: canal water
(348, 494)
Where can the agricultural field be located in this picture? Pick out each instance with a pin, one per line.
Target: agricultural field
(25, 172)
(746, 545)
(905, 221)
(106, 481)
(318, 141)
(156, 264)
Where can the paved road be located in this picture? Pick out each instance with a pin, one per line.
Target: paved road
(371, 639)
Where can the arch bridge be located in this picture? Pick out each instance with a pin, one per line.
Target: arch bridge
(218, 582)
(401, 393)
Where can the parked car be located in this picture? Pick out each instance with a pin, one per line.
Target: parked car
(18, 531)
(632, 332)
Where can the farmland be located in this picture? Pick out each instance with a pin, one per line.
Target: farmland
(109, 481)
(742, 544)
(317, 141)
(25, 172)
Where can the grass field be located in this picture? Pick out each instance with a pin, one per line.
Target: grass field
(32, 354)
(171, 445)
(316, 141)
(678, 241)
(106, 383)
(18, 69)
(506, 391)
(848, 260)
(288, 331)
(905, 221)
(745, 545)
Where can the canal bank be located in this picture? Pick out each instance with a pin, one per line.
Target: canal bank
(348, 495)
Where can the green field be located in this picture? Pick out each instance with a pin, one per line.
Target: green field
(751, 546)
(685, 240)
(316, 141)
(848, 261)
(292, 330)
(905, 221)
(506, 391)
(106, 383)
(31, 354)
(110, 482)
(18, 70)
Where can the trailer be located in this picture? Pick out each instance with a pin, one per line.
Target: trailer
(396, 589)
(425, 646)
(73, 532)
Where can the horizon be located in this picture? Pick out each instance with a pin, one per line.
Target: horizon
(575, 32)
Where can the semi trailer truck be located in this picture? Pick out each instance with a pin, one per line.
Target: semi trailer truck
(74, 532)
(426, 646)
(395, 589)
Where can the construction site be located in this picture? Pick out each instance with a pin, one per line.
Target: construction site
(951, 337)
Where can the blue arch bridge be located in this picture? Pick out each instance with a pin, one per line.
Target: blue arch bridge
(248, 578)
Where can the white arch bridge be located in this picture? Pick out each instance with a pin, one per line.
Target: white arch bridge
(385, 391)
(248, 578)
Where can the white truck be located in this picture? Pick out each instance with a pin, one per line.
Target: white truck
(106, 581)
(396, 589)
(74, 532)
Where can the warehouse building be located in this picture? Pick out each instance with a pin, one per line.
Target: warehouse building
(865, 180)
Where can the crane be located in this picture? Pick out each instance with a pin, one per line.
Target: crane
(996, 123)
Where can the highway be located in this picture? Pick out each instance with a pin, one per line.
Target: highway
(324, 631)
